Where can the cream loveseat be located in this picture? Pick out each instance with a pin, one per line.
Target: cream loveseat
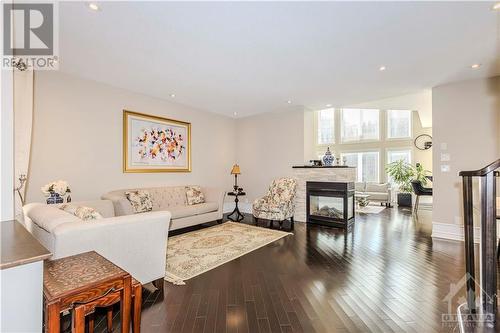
(173, 199)
(378, 192)
(136, 243)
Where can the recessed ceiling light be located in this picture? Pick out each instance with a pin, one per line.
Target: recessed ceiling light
(382, 68)
(289, 102)
(475, 66)
(95, 7)
(496, 6)
(172, 95)
(235, 113)
(328, 105)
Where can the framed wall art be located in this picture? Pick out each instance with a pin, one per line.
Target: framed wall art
(155, 144)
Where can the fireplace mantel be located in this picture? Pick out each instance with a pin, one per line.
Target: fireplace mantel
(304, 174)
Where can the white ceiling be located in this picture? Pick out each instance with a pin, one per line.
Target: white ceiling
(253, 57)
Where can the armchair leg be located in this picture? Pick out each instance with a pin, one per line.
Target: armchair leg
(219, 221)
(271, 222)
(292, 222)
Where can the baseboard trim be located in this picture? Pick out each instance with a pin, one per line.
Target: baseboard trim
(452, 232)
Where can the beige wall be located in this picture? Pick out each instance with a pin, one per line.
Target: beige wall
(465, 117)
(267, 147)
(77, 136)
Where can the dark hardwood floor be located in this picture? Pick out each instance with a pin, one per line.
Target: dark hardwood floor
(386, 275)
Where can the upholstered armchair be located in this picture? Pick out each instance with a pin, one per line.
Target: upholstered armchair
(278, 203)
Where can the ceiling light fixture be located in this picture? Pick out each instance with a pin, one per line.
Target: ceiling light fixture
(382, 68)
(93, 6)
(475, 66)
(172, 95)
(235, 113)
(289, 102)
(328, 105)
(496, 6)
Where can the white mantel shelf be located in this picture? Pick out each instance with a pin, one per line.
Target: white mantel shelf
(304, 174)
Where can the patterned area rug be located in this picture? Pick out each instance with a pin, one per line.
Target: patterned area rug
(197, 252)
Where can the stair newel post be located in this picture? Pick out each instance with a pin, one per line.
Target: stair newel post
(469, 244)
(488, 246)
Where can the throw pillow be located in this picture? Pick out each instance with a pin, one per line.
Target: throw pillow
(82, 212)
(194, 195)
(141, 201)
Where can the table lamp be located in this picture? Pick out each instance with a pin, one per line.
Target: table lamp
(236, 171)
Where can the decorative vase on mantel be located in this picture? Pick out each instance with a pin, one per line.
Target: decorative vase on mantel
(54, 198)
(328, 157)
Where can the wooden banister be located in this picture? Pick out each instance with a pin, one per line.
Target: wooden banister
(481, 172)
(488, 268)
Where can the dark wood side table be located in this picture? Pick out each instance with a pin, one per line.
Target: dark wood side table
(72, 282)
(236, 211)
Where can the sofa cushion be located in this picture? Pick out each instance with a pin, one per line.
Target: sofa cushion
(360, 186)
(49, 217)
(140, 200)
(185, 211)
(166, 197)
(375, 187)
(194, 195)
(380, 196)
(82, 212)
(103, 207)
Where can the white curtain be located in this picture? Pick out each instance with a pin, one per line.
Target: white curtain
(23, 120)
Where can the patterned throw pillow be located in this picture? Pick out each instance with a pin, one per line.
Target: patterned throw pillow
(141, 201)
(194, 195)
(82, 212)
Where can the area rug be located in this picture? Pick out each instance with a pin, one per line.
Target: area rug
(197, 252)
(369, 209)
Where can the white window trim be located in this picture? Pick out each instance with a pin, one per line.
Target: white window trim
(388, 126)
(357, 151)
(391, 149)
(342, 141)
(316, 129)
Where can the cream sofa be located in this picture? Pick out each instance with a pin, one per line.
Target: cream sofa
(173, 199)
(136, 243)
(378, 192)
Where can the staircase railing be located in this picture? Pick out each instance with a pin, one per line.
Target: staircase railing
(488, 283)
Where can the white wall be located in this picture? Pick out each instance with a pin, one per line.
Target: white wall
(77, 136)
(6, 145)
(267, 147)
(465, 117)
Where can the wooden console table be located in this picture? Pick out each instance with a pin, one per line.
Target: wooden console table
(80, 282)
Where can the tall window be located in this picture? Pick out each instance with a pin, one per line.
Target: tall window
(399, 124)
(326, 126)
(360, 125)
(367, 164)
(400, 154)
(394, 155)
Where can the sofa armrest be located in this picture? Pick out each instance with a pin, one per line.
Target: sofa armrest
(137, 243)
(121, 204)
(214, 194)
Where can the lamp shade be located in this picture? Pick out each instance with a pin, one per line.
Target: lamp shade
(235, 170)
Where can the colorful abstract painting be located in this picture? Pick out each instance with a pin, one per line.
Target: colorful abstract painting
(155, 144)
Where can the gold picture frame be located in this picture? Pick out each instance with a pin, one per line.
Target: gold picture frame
(155, 144)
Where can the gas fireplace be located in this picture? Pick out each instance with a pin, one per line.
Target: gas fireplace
(330, 203)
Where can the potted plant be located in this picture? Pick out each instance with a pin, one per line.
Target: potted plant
(402, 174)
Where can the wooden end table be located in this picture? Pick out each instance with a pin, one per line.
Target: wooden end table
(236, 211)
(73, 282)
